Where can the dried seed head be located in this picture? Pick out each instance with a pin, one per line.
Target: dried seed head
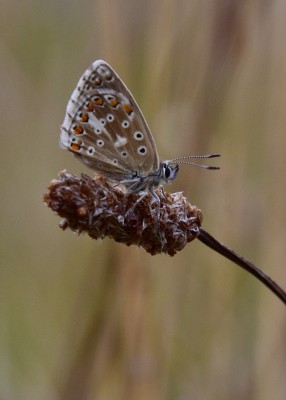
(101, 210)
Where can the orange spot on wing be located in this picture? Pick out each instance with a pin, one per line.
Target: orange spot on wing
(84, 117)
(90, 107)
(128, 108)
(98, 102)
(114, 102)
(78, 129)
(76, 146)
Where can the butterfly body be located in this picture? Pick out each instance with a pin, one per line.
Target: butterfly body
(165, 174)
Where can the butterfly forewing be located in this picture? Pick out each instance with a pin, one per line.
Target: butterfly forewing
(105, 128)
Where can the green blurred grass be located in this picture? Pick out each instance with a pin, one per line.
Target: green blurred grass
(82, 320)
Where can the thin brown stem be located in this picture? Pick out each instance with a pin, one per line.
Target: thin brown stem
(220, 248)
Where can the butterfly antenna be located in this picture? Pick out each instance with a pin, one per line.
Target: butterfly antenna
(183, 160)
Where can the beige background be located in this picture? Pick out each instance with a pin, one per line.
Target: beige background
(87, 320)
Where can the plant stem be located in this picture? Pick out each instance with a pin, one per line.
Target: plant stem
(220, 248)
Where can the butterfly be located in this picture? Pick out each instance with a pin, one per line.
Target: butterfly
(105, 128)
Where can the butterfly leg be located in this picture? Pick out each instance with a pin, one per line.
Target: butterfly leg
(164, 194)
(156, 198)
(131, 209)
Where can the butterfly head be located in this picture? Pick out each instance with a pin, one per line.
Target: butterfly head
(168, 171)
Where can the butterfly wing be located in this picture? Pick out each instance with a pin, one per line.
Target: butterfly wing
(105, 128)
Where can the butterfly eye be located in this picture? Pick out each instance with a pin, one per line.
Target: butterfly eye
(167, 171)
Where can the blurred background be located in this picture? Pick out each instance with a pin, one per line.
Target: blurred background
(97, 320)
